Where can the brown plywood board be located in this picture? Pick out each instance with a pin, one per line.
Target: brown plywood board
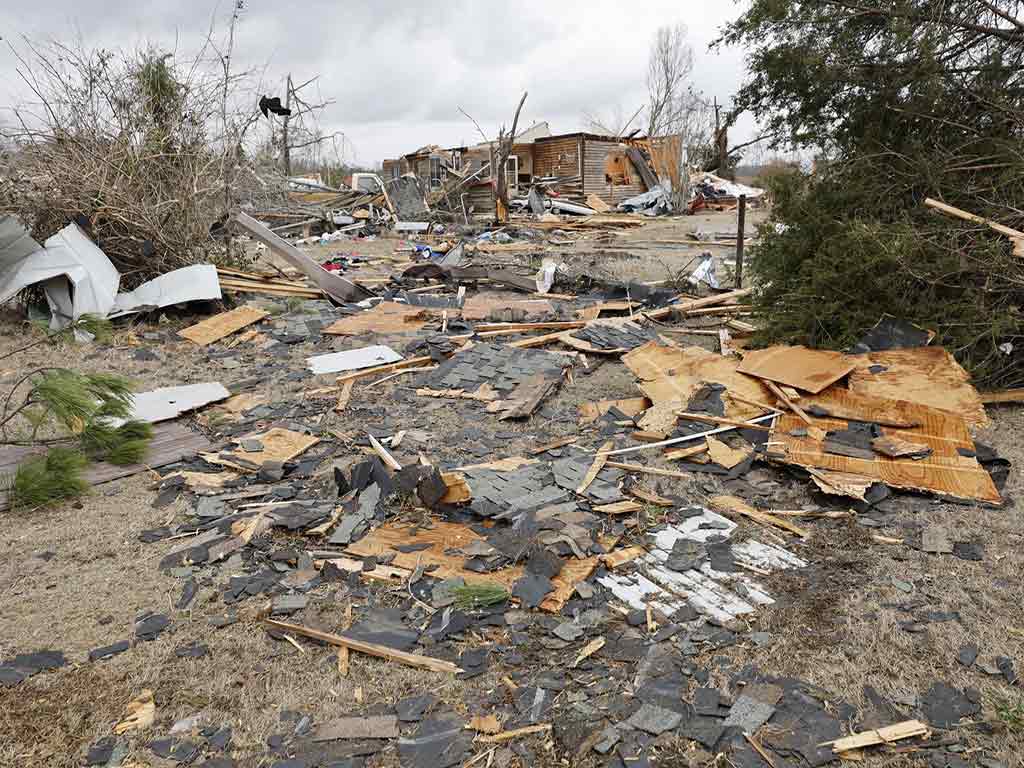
(944, 472)
(675, 374)
(278, 445)
(887, 412)
(171, 442)
(217, 327)
(482, 306)
(386, 317)
(810, 370)
(448, 536)
(923, 375)
(632, 406)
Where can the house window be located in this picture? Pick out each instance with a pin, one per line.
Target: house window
(436, 177)
(485, 168)
(457, 161)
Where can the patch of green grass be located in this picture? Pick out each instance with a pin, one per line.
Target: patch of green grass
(1012, 714)
(481, 595)
(47, 479)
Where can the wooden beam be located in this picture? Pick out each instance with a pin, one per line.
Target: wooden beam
(412, 362)
(370, 649)
(721, 421)
(777, 391)
(1003, 396)
(731, 505)
(966, 216)
(498, 738)
(639, 468)
(890, 733)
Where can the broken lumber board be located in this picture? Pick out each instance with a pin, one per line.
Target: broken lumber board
(562, 441)
(890, 733)
(412, 362)
(947, 471)
(649, 496)
(518, 327)
(959, 213)
(1003, 396)
(500, 738)
(810, 370)
(619, 507)
(728, 309)
(383, 453)
(590, 412)
(777, 391)
(595, 467)
(641, 469)
(443, 538)
(687, 438)
(269, 289)
(685, 453)
(732, 505)
(370, 649)
(692, 304)
(858, 407)
(386, 317)
(344, 396)
(329, 282)
(217, 327)
(708, 419)
(928, 376)
(537, 341)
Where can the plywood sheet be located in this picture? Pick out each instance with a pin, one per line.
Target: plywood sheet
(217, 327)
(278, 445)
(675, 374)
(810, 370)
(924, 375)
(386, 317)
(171, 442)
(945, 472)
(482, 306)
(444, 537)
(859, 407)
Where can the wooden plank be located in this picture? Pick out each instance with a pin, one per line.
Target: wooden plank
(560, 442)
(344, 396)
(412, 362)
(777, 391)
(709, 419)
(279, 444)
(370, 649)
(595, 467)
(924, 375)
(649, 496)
(640, 469)
(684, 453)
(381, 451)
(946, 471)
(724, 456)
(731, 506)
(217, 327)
(691, 304)
(811, 370)
(330, 282)
(1003, 396)
(906, 730)
(619, 508)
(966, 216)
(500, 738)
(537, 341)
(858, 407)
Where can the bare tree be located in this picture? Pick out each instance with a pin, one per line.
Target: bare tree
(501, 154)
(669, 66)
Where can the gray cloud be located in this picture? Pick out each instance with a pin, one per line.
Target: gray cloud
(398, 70)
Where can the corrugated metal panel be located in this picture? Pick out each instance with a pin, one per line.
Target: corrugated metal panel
(595, 181)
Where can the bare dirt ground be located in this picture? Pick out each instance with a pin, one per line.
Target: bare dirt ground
(74, 577)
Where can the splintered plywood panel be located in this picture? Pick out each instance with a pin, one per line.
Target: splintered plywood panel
(859, 407)
(386, 317)
(444, 537)
(810, 370)
(633, 406)
(923, 375)
(482, 306)
(217, 327)
(675, 374)
(945, 472)
(278, 445)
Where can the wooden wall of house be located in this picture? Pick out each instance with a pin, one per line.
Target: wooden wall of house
(557, 157)
(480, 197)
(391, 169)
(608, 173)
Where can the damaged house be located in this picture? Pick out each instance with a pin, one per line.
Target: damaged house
(574, 167)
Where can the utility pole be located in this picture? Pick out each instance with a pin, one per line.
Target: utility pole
(286, 156)
(741, 216)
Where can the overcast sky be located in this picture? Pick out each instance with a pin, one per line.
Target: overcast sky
(398, 70)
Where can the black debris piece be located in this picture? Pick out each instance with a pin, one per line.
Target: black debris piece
(531, 589)
(25, 665)
(180, 751)
(439, 742)
(192, 651)
(109, 651)
(188, 593)
(891, 333)
(101, 752)
(967, 655)
(943, 706)
(413, 709)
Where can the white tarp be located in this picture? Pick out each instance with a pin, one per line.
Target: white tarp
(77, 277)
